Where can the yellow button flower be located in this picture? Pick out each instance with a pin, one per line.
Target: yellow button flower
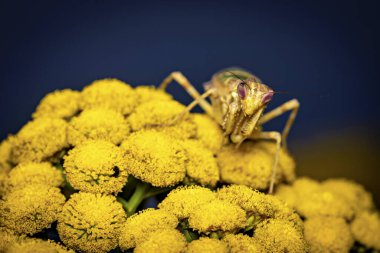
(37, 246)
(5, 153)
(165, 240)
(239, 243)
(146, 93)
(366, 229)
(209, 133)
(207, 245)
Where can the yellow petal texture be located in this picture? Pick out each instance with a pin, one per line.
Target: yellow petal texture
(218, 215)
(185, 200)
(58, 104)
(110, 94)
(239, 243)
(252, 164)
(91, 222)
(139, 226)
(276, 235)
(5, 153)
(159, 115)
(155, 158)
(328, 234)
(30, 209)
(145, 93)
(207, 245)
(165, 240)
(97, 167)
(39, 140)
(209, 133)
(26, 174)
(366, 229)
(98, 124)
(37, 246)
(8, 237)
(201, 164)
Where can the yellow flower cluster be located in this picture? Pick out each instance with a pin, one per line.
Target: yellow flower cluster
(91, 222)
(37, 245)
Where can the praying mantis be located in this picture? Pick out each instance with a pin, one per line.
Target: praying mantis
(238, 100)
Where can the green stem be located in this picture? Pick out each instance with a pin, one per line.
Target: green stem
(156, 190)
(138, 196)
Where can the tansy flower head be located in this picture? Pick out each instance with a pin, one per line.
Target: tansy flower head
(30, 209)
(328, 234)
(146, 93)
(37, 245)
(159, 114)
(98, 124)
(217, 215)
(276, 235)
(91, 222)
(165, 240)
(5, 153)
(353, 193)
(97, 167)
(39, 140)
(185, 200)
(252, 163)
(155, 158)
(139, 226)
(240, 243)
(209, 133)
(201, 165)
(207, 245)
(109, 94)
(34, 173)
(58, 104)
(366, 229)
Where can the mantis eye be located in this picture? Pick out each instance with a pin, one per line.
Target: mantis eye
(268, 97)
(242, 90)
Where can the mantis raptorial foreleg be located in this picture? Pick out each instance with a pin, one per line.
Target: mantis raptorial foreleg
(184, 82)
(271, 136)
(292, 105)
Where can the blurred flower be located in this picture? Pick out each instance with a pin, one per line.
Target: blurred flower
(26, 174)
(240, 243)
(91, 222)
(97, 167)
(207, 245)
(328, 234)
(39, 140)
(37, 246)
(252, 164)
(8, 237)
(185, 200)
(146, 93)
(58, 104)
(366, 229)
(276, 235)
(155, 158)
(110, 94)
(165, 240)
(5, 153)
(97, 124)
(209, 133)
(139, 226)
(30, 209)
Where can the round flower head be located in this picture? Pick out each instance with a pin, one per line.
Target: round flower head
(209, 132)
(201, 165)
(155, 158)
(288, 194)
(218, 215)
(259, 205)
(30, 209)
(328, 234)
(26, 174)
(37, 245)
(353, 193)
(5, 153)
(97, 167)
(146, 93)
(91, 222)
(39, 140)
(139, 226)
(110, 94)
(58, 104)
(280, 236)
(240, 243)
(159, 114)
(165, 240)
(97, 124)
(207, 245)
(366, 229)
(185, 200)
(252, 164)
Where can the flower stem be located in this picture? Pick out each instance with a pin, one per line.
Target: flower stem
(138, 196)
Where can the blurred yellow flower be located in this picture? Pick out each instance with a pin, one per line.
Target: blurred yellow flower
(165, 240)
(366, 229)
(207, 245)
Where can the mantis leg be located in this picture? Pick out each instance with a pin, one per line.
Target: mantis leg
(182, 80)
(271, 136)
(292, 105)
